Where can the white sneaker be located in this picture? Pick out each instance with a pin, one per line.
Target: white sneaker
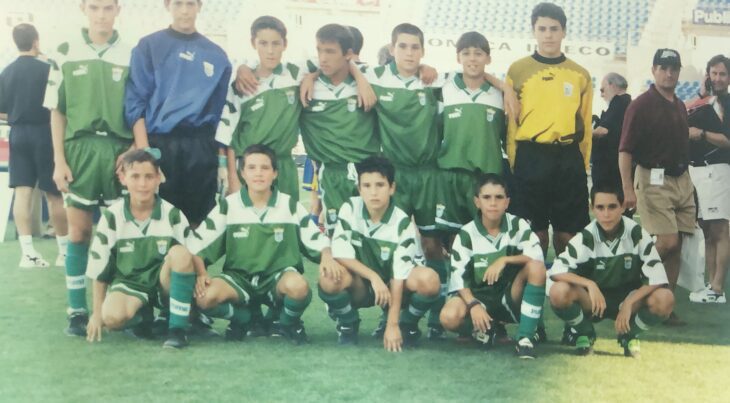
(707, 296)
(28, 262)
(61, 260)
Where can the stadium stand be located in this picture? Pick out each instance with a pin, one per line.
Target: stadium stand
(686, 90)
(616, 21)
(713, 3)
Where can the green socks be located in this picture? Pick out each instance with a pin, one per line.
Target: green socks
(642, 321)
(530, 310)
(417, 307)
(573, 316)
(442, 268)
(181, 295)
(240, 314)
(293, 309)
(77, 256)
(339, 307)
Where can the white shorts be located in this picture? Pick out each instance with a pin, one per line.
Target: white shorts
(712, 184)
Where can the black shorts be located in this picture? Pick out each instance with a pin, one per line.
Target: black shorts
(550, 187)
(31, 157)
(190, 164)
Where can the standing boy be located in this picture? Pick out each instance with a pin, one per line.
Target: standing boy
(86, 96)
(175, 95)
(22, 88)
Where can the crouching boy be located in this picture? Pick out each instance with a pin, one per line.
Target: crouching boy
(138, 258)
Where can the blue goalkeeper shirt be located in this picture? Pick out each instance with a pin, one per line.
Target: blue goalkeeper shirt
(176, 80)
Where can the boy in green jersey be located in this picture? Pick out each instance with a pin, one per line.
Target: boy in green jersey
(473, 128)
(138, 257)
(270, 115)
(336, 131)
(376, 242)
(610, 269)
(262, 233)
(498, 272)
(85, 93)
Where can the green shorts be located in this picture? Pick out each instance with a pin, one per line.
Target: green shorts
(148, 295)
(455, 199)
(287, 180)
(254, 289)
(92, 160)
(415, 193)
(370, 297)
(614, 299)
(337, 183)
(500, 306)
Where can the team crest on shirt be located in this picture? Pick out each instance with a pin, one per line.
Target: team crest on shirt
(422, 98)
(440, 210)
(351, 104)
(117, 73)
(208, 69)
(601, 265)
(627, 262)
(82, 70)
(128, 247)
(567, 89)
(162, 246)
(332, 215)
(490, 114)
(290, 97)
(384, 253)
(278, 234)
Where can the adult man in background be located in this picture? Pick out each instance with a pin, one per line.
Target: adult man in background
(655, 135)
(22, 88)
(709, 134)
(608, 133)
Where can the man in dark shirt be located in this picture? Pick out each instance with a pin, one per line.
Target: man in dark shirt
(655, 135)
(709, 135)
(608, 133)
(22, 88)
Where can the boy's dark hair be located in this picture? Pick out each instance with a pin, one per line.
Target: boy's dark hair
(380, 165)
(406, 28)
(140, 156)
(610, 189)
(357, 39)
(472, 39)
(268, 22)
(490, 179)
(258, 149)
(24, 35)
(336, 33)
(717, 60)
(549, 10)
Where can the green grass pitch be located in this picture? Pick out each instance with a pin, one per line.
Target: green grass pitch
(40, 363)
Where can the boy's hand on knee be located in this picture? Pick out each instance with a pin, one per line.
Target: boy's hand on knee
(598, 302)
(382, 293)
(480, 318)
(331, 269)
(623, 319)
(493, 272)
(94, 328)
(202, 281)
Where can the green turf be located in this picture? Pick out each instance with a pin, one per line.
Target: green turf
(39, 363)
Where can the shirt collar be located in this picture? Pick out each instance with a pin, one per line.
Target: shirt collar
(386, 216)
(156, 209)
(503, 225)
(603, 236)
(112, 39)
(247, 200)
(459, 81)
(549, 60)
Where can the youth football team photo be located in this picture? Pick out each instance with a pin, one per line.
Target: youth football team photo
(221, 200)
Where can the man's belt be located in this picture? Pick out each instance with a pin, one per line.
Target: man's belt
(669, 170)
